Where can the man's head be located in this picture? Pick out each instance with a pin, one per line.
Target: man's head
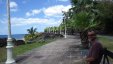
(91, 35)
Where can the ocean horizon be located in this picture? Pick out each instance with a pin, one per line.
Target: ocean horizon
(16, 36)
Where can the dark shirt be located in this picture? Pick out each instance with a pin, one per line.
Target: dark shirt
(96, 52)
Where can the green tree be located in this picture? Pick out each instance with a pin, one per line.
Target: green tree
(105, 16)
(46, 29)
(81, 17)
(32, 31)
(31, 34)
(84, 21)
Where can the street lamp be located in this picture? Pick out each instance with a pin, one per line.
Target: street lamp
(9, 46)
(65, 30)
(65, 35)
(53, 29)
(66, 18)
(49, 29)
(60, 29)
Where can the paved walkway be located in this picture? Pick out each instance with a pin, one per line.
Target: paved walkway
(61, 51)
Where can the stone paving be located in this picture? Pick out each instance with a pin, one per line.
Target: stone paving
(61, 51)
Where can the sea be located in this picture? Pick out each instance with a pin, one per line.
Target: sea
(16, 36)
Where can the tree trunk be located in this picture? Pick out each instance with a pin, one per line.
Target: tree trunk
(84, 39)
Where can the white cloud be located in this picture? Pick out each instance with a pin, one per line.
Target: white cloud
(51, 13)
(63, 0)
(51, 20)
(56, 10)
(13, 6)
(33, 12)
(29, 21)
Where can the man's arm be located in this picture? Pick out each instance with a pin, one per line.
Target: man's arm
(90, 59)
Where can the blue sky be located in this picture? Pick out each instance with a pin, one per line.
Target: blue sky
(32, 13)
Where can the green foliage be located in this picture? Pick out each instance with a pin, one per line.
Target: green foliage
(24, 48)
(80, 16)
(89, 14)
(32, 31)
(31, 34)
(84, 21)
(51, 29)
(2, 54)
(105, 15)
(106, 42)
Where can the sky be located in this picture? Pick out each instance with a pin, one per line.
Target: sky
(32, 13)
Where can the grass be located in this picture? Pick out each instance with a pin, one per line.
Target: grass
(2, 54)
(18, 50)
(24, 48)
(106, 42)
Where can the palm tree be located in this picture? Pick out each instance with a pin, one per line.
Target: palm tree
(32, 31)
(83, 22)
(81, 18)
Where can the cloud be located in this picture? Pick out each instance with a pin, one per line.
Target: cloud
(53, 13)
(56, 10)
(33, 12)
(13, 6)
(53, 17)
(30, 21)
(63, 0)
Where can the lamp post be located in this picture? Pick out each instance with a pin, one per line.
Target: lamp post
(65, 30)
(65, 35)
(53, 29)
(66, 18)
(60, 29)
(9, 46)
(49, 29)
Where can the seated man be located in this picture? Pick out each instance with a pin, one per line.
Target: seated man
(95, 51)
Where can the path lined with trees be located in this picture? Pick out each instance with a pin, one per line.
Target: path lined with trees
(61, 51)
(87, 15)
